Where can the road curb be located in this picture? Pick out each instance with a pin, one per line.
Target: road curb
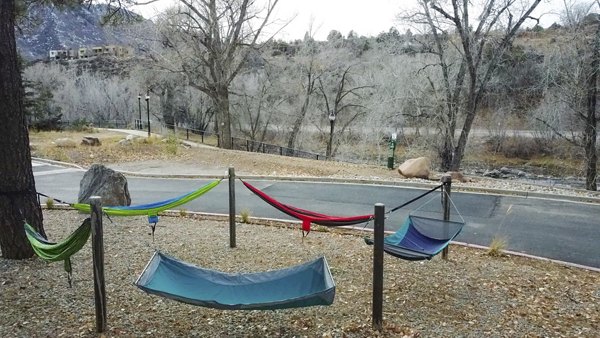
(66, 164)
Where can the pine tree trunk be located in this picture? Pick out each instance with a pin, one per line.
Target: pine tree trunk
(18, 200)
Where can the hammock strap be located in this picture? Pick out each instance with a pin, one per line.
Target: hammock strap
(11, 196)
(55, 199)
(454, 206)
(414, 199)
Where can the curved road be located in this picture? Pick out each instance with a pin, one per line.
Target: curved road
(552, 228)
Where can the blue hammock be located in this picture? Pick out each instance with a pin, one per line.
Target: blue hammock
(420, 238)
(303, 285)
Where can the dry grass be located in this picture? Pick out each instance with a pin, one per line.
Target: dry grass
(470, 295)
(497, 246)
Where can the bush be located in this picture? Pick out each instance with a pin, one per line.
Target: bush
(518, 147)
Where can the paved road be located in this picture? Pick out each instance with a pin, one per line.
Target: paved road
(555, 229)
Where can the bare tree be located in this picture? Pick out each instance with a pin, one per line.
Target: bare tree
(310, 71)
(259, 99)
(339, 105)
(452, 28)
(211, 41)
(573, 86)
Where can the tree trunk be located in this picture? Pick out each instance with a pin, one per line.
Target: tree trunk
(18, 200)
(222, 105)
(298, 122)
(590, 131)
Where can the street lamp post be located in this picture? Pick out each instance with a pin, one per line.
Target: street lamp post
(331, 125)
(139, 121)
(148, 111)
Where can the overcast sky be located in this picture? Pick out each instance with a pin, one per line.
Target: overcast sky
(366, 17)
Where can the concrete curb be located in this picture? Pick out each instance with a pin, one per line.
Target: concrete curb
(66, 164)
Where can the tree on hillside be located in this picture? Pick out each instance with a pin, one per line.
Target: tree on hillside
(209, 42)
(340, 103)
(310, 70)
(468, 49)
(259, 95)
(570, 108)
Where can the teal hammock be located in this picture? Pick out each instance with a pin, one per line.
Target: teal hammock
(420, 238)
(303, 285)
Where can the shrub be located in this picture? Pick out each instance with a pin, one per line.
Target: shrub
(497, 246)
(171, 144)
(245, 215)
(49, 203)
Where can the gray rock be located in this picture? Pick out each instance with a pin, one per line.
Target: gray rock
(124, 142)
(492, 173)
(505, 170)
(106, 183)
(91, 141)
(65, 142)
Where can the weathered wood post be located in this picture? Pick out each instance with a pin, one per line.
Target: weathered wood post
(378, 234)
(447, 185)
(231, 207)
(98, 262)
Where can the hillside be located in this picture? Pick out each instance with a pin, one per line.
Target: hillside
(48, 27)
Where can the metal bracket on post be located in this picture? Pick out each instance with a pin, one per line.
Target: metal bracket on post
(98, 262)
(447, 187)
(378, 234)
(231, 207)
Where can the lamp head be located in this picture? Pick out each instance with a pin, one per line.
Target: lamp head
(331, 116)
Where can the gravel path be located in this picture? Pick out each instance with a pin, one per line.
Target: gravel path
(471, 295)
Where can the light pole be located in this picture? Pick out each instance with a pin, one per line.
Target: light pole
(331, 124)
(139, 121)
(148, 110)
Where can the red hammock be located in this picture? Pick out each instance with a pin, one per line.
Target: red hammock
(307, 216)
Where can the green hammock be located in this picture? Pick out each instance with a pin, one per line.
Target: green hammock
(151, 209)
(54, 252)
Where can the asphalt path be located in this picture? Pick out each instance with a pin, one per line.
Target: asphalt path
(552, 228)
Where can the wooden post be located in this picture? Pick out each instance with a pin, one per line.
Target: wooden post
(231, 207)
(378, 266)
(98, 262)
(447, 182)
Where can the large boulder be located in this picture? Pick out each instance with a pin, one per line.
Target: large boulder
(415, 168)
(106, 183)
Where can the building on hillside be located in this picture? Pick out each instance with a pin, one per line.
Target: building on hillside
(90, 52)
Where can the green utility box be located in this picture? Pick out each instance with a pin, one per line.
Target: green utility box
(390, 162)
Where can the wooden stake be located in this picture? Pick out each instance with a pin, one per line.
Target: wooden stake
(378, 266)
(98, 262)
(447, 182)
(231, 207)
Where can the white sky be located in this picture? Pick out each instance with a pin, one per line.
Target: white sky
(367, 17)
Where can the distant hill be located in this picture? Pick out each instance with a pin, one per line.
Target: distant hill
(49, 28)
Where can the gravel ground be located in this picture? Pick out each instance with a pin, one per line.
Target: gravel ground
(470, 295)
